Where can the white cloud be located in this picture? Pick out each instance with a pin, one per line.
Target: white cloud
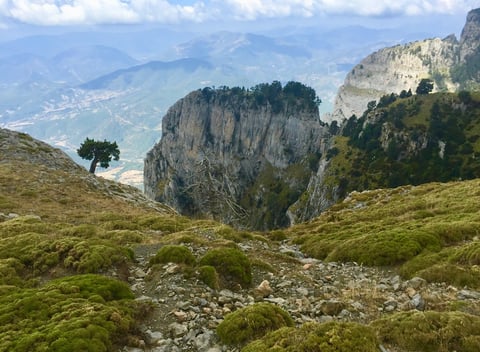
(254, 9)
(64, 12)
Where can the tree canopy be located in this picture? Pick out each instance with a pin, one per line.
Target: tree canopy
(98, 152)
(425, 86)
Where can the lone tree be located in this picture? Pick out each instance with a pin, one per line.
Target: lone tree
(425, 86)
(98, 152)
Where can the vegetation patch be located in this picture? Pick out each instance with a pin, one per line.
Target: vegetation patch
(252, 322)
(430, 331)
(208, 275)
(384, 248)
(315, 337)
(82, 313)
(173, 254)
(231, 264)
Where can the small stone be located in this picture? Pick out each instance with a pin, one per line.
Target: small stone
(410, 291)
(331, 307)
(467, 294)
(418, 302)
(263, 290)
(307, 266)
(390, 305)
(303, 291)
(153, 337)
(284, 284)
(358, 306)
(177, 330)
(140, 273)
(181, 316)
(277, 300)
(416, 283)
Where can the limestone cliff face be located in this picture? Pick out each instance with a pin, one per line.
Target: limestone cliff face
(394, 69)
(470, 37)
(235, 156)
(401, 67)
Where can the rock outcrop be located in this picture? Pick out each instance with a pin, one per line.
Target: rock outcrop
(242, 157)
(401, 67)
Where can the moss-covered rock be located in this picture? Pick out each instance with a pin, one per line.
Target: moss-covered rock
(231, 264)
(173, 254)
(430, 331)
(315, 337)
(252, 322)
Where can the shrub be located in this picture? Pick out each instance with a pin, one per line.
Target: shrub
(173, 254)
(252, 322)
(231, 264)
(468, 254)
(94, 256)
(91, 285)
(451, 274)
(80, 313)
(315, 337)
(430, 331)
(208, 275)
(386, 247)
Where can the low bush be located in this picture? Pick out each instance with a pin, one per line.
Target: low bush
(315, 337)
(208, 275)
(231, 264)
(173, 254)
(80, 313)
(430, 331)
(251, 323)
(385, 248)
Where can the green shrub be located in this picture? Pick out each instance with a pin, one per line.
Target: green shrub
(468, 254)
(173, 254)
(454, 231)
(386, 247)
(315, 337)
(451, 274)
(94, 256)
(208, 275)
(80, 313)
(165, 224)
(91, 285)
(231, 264)
(430, 331)
(251, 323)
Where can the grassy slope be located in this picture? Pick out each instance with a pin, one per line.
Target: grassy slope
(76, 230)
(429, 230)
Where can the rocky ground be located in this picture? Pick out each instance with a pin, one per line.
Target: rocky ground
(186, 311)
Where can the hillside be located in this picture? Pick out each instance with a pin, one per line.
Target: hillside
(75, 250)
(399, 140)
(452, 64)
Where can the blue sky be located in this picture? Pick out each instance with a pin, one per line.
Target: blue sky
(98, 12)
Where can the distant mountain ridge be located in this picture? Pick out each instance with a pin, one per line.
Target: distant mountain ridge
(188, 65)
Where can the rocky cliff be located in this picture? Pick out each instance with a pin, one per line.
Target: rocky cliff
(450, 63)
(240, 156)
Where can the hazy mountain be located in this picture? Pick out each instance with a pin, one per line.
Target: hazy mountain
(88, 62)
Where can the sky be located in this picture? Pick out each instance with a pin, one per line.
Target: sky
(100, 12)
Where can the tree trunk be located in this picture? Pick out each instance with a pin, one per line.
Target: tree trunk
(93, 165)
